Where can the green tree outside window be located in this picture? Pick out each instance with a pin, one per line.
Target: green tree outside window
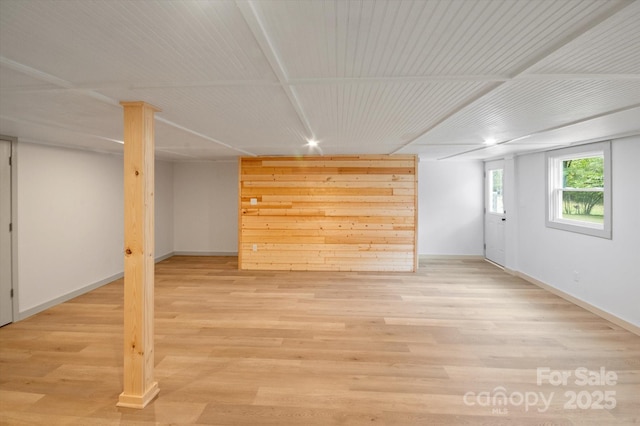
(583, 189)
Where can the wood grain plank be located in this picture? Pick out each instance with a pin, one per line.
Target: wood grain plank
(332, 178)
(317, 204)
(260, 170)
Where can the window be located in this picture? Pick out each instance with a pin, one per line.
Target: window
(496, 204)
(579, 194)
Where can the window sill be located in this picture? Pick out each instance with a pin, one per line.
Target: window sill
(581, 228)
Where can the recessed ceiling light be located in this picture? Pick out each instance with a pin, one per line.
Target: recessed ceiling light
(312, 143)
(489, 141)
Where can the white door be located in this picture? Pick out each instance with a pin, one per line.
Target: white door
(495, 215)
(6, 304)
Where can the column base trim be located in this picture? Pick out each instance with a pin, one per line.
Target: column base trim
(138, 401)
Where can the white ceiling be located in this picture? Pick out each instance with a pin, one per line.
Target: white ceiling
(429, 77)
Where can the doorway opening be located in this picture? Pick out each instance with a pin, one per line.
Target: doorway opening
(6, 229)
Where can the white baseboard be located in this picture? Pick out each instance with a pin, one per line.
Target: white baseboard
(164, 256)
(585, 305)
(66, 297)
(73, 294)
(495, 264)
(450, 257)
(205, 253)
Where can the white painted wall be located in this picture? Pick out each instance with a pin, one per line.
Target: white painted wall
(608, 269)
(450, 208)
(71, 221)
(206, 207)
(164, 220)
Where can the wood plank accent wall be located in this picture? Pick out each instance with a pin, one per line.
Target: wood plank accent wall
(340, 213)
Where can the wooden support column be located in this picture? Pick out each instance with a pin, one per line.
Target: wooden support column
(140, 386)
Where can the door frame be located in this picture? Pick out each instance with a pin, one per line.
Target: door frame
(14, 225)
(499, 163)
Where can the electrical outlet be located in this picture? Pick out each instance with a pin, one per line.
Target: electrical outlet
(254, 202)
(255, 247)
(576, 276)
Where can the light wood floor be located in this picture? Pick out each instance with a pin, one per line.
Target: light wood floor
(294, 348)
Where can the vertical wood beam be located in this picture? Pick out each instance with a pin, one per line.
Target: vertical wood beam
(140, 386)
(240, 213)
(416, 167)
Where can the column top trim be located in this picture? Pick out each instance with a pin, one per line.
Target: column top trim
(140, 104)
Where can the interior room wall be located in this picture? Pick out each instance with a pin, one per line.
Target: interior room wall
(206, 208)
(71, 220)
(164, 221)
(450, 208)
(606, 269)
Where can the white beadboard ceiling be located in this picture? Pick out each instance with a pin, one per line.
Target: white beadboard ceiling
(261, 77)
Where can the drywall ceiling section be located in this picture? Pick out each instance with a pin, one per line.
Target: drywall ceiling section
(457, 38)
(624, 123)
(177, 144)
(67, 109)
(497, 151)
(28, 131)
(249, 77)
(236, 115)
(382, 115)
(523, 107)
(435, 152)
(611, 49)
(124, 43)
(617, 125)
(11, 80)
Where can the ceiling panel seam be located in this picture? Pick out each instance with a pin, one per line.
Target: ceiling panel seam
(37, 74)
(402, 79)
(57, 126)
(253, 20)
(193, 132)
(482, 93)
(581, 76)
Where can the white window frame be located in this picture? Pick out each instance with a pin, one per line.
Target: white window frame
(554, 186)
